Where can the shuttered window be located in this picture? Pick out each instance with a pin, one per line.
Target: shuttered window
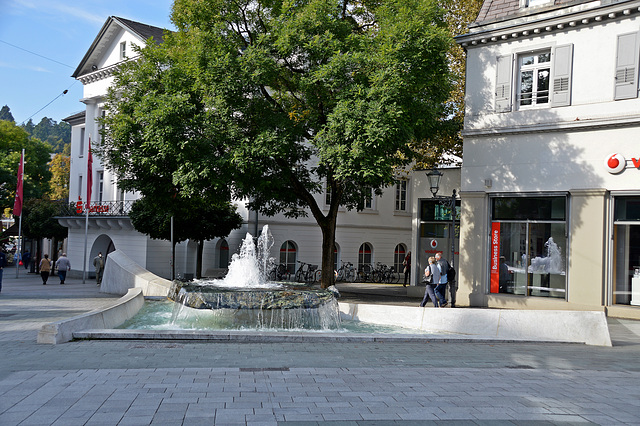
(626, 78)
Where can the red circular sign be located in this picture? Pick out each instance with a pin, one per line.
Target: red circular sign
(434, 244)
(615, 163)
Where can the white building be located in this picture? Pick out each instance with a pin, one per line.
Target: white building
(380, 233)
(551, 179)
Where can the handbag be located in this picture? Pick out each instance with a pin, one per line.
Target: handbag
(428, 279)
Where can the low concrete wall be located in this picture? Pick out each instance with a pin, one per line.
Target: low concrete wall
(121, 276)
(121, 273)
(563, 326)
(113, 316)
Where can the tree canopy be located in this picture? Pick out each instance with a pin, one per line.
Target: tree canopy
(277, 100)
(36, 172)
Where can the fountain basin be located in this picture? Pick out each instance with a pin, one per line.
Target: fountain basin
(206, 296)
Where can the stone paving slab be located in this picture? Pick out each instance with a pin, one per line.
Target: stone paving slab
(289, 383)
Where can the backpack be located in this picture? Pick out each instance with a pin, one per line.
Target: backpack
(451, 274)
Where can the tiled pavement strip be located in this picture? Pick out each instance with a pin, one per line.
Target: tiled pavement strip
(182, 383)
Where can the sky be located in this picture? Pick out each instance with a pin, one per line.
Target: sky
(43, 41)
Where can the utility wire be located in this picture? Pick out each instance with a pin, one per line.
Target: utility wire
(37, 54)
(64, 92)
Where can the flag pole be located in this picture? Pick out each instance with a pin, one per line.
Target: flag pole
(17, 208)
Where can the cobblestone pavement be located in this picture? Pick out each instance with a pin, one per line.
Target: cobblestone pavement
(183, 383)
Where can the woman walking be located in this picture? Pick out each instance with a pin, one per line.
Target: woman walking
(431, 279)
(45, 268)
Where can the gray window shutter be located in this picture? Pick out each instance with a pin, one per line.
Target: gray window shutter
(626, 79)
(561, 80)
(503, 83)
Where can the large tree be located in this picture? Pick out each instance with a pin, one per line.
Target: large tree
(284, 99)
(195, 219)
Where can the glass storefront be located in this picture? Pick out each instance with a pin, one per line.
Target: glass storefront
(626, 251)
(529, 246)
(436, 233)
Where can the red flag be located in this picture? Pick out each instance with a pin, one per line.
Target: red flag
(17, 205)
(89, 174)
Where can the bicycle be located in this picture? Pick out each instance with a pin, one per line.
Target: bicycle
(307, 273)
(279, 273)
(385, 274)
(346, 272)
(364, 272)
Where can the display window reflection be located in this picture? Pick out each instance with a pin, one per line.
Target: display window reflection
(626, 253)
(528, 256)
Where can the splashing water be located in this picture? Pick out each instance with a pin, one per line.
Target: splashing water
(250, 267)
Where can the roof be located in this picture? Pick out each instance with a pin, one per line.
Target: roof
(108, 30)
(77, 117)
(498, 10)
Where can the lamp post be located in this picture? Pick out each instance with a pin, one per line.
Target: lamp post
(434, 176)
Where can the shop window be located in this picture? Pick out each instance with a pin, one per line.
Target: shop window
(288, 254)
(626, 251)
(528, 250)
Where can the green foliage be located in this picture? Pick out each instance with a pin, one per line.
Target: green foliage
(36, 173)
(195, 219)
(273, 98)
(38, 220)
(5, 114)
(57, 135)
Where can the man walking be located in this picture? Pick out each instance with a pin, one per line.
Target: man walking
(63, 264)
(449, 275)
(98, 263)
(441, 289)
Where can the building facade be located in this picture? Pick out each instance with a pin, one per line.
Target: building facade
(379, 233)
(550, 184)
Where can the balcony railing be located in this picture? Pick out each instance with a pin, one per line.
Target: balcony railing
(97, 208)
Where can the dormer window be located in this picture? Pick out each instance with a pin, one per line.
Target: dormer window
(123, 50)
(535, 3)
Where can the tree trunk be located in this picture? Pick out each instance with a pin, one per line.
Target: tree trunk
(328, 228)
(200, 249)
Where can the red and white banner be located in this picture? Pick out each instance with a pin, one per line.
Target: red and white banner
(17, 205)
(495, 258)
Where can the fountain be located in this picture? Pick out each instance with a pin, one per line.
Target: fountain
(244, 298)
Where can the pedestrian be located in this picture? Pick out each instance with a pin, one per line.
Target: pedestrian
(98, 263)
(45, 268)
(431, 278)
(3, 262)
(63, 264)
(441, 289)
(26, 258)
(407, 268)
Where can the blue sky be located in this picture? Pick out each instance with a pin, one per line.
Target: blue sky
(60, 32)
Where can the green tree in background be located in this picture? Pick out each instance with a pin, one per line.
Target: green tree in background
(283, 99)
(36, 171)
(60, 167)
(5, 114)
(195, 219)
(38, 222)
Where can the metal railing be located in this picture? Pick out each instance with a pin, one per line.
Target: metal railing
(97, 208)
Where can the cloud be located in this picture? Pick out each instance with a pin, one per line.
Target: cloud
(59, 10)
(24, 67)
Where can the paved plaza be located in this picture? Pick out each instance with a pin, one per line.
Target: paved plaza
(382, 383)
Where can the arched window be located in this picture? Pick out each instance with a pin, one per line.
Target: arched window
(223, 254)
(288, 256)
(398, 257)
(365, 255)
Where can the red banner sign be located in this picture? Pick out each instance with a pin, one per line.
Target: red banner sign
(495, 258)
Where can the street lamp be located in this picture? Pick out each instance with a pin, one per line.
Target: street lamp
(434, 176)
